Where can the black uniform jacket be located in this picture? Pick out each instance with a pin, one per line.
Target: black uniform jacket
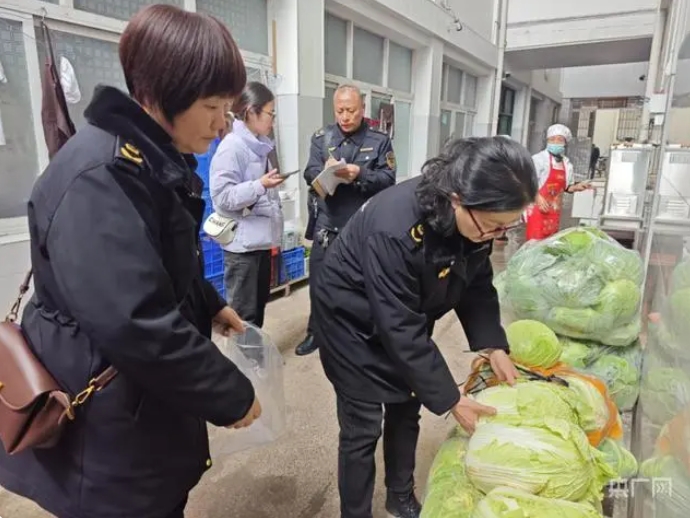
(114, 246)
(368, 148)
(383, 284)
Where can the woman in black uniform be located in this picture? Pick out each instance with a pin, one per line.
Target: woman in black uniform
(406, 258)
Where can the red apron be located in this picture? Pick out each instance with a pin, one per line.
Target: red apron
(541, 225)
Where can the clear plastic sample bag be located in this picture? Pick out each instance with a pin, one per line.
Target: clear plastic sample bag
(259, 359)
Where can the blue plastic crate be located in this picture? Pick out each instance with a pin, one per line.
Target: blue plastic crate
(293, 265)
(218, 284)
(213, 256)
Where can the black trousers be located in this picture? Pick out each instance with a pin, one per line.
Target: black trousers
(248, 284)
(179, 510)
(360, 430)
(315, 261)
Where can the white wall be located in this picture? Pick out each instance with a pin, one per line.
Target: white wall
(604, 81)
(525, 11)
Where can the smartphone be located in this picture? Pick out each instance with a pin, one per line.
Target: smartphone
(290, 173)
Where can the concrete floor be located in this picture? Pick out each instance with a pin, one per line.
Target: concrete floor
(296, 477)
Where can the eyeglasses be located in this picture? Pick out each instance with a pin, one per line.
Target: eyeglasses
(497, 230)
(272, 114)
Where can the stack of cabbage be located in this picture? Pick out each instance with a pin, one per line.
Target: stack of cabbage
(586, 287)
(580, 283)
(533, 458)
(666, 381)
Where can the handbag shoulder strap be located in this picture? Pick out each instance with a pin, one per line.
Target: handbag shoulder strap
(23, 288)
(96, 383)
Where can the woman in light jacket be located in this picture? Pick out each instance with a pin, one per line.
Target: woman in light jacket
(244, 185)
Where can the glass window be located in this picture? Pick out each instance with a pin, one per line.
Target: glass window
(368, 57)
(459, 125)
(336, 46)
(469, 125)
(505, 124)
(122, 9)
(328, 114)
(454, 85)
(94, 61)
(507, 100)
(470, 96)
(18, 156)
(399, 67)
(401, 137)
(248, 21)
(376, 101)
(255, 74)
(445, 127)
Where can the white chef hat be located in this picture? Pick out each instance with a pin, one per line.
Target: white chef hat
(559, 130)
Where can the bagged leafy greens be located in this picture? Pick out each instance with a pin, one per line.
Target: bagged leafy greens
(505, 502)
(669, 484)
(618, 367)
(580, 283)
(665, 389)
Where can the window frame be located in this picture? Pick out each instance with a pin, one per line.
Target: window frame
(63, 17)
(371, 90)
(16, 228)
(469, 112)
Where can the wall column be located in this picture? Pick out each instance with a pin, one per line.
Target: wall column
(299, 58)
(426, 109)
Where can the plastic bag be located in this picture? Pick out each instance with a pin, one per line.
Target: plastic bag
(260, 360)
(580, 283)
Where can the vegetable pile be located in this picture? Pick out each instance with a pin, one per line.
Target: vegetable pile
(549, 450)
(586, 289)
(580, 283)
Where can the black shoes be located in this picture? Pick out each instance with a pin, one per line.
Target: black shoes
(306, 347)
(403, 505)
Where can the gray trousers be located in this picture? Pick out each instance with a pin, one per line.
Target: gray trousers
(248, 284)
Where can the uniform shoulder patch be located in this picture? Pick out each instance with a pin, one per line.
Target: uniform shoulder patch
(417, 233)
(130, 153)
(390, 159)
(320, 133)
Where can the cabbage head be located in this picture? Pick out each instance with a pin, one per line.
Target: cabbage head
(664, 391)
(616, 263)
(528, 399)
(620, 298)
(533, 344)
(577, 354)
(680, 310)
(581, 323)
(621, 373)
(548, 457)
(619, 458)
(449, 493)
(506, 502)
(590, 404)
(624, 335)
(680, 278)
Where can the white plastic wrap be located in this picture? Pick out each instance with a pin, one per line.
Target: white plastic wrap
(259, 359)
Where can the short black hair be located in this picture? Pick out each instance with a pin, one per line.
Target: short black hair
(492, 174)
(253, 99)
(172, 57)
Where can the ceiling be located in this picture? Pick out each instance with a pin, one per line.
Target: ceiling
(600, 53)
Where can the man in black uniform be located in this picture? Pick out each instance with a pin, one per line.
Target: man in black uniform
(370, 169)
(407, 257)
